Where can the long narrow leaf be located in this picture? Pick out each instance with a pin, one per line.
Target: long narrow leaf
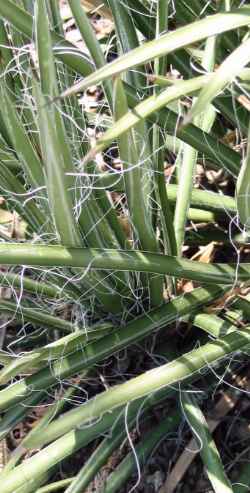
(167, 43)
(100, 456)
(55, 350)
(29, 254)
(147, 445)
(57, 181)
(208, 450)
(243, 189)
(152, 380)
(202, 199)
(72, 57)
(22, 21)
(226, 73)
(175, 371)
(127, 36)
(37, 287)
(90, 40)
(93, 353)
(133, 175)
(145, 109)
(189, 157)
(53, 137)
(22, 145)
(70, 443)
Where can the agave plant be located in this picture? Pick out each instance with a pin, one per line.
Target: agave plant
(96, 263)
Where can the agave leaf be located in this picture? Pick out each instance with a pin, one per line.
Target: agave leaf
(243, 189)
(128, 38)
(51, 412)
(136, 185)
(70, 443)
(44, 51)
(17, 195)
(56, 179)
(90, 40)
(23, 22)
(27, 156)
(61, 347)
(225, 74)
(6, 56)
(167, 43)
(60, 197)
(175, 371)
(144, 109)
(147, 445)
(107, 230)
(203, 199)
(187, 167)
(54, 12)
(36, 287)
(208, 450)
(102, 453)
(72, 57)
(35, 316)
(135, 261)
(134, 331)
(133, 174)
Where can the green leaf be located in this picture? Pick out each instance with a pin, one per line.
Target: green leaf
(208, 450)
(144, 109)
(55, 350)
(225, 74)
(17, 195)
(127, 36)
(135, 261)
(56, 179)
(35, 316)
(101, 454)
(56, 154)
(147, 445)
(133, 174)
(36, 287)
(89, 38)
(23, 22)
(70, 443)
(16, 414)
(243, 189)
(167, 43)
(187, 167)
(134, 331)
(27, 156)
(151, 381)
(71, 56)
(137, 186)
(202, 199)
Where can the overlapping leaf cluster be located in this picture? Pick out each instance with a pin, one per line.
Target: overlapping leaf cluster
(100, 264)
